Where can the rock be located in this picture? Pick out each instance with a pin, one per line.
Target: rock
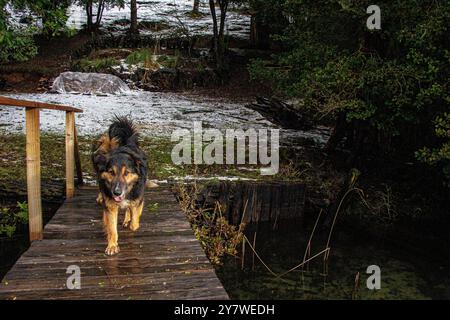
(89, 83)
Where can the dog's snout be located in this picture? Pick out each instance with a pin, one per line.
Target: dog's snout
(117, 191)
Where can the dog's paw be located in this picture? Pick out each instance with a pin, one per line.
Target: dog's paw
(112, 250)
(134, 226)
(99, 199)
(125, 224)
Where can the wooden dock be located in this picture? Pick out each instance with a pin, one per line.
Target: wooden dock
(162, 260)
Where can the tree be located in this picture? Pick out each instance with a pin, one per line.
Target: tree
(196, 7)
(219, 30)
(97, 14)
(17, 44)
(53, 14)
(383, 89)
(134, 24)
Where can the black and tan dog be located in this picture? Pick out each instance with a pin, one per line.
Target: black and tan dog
(121, 168)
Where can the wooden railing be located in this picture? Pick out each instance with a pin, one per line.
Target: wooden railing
(33, 157)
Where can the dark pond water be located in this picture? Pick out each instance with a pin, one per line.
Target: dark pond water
(404, 275)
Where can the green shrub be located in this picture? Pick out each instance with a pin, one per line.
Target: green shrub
(151, 61)
(139, 56)
(386, 84)
(168, 61)
(11, 219)
(439, 155)
(217, 236)
(16, 46)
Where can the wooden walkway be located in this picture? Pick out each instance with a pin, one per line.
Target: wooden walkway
(162, 260)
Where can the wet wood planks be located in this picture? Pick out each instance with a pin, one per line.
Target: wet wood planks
(162, 260)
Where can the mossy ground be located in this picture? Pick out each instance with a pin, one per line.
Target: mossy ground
(158, 150)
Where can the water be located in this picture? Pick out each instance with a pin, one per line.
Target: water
(404, 275)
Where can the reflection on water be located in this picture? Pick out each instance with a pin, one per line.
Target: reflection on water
(403, 275)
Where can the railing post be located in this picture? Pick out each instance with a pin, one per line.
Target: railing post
(77, 158)
(33, 159)
(70, 153)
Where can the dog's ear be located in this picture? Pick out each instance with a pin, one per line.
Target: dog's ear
(104, 144)
(100, 162)
(139, 160)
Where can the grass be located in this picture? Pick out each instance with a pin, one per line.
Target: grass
(12, 156)
(158, 150)
(152, 61)
(95, 65)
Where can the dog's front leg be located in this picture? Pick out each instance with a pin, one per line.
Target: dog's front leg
(127, 219)
(136, 212)
(110, 223)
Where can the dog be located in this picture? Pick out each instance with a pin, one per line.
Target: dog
(121, 168)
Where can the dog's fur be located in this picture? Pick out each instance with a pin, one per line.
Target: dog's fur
(121, 168)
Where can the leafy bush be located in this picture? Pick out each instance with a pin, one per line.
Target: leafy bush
(16, 46)
(389, 84)
(216, 235)
(139, 56)
(439, 155)
(9, 220)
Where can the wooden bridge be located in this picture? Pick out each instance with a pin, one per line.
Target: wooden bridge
(162, 260)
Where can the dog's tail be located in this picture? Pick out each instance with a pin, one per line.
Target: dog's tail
(124, 131)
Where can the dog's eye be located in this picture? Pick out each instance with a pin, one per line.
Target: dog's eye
(111, 171)
(125, 173)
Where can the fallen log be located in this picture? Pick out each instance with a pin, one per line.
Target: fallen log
(280, 113)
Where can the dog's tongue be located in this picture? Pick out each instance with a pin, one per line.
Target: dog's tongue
(118, 198)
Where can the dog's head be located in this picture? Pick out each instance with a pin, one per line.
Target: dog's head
(120, 174)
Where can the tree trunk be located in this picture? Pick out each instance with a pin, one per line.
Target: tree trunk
(223, 13)
(219, 30)
(339, 131)
(212, 7)
(101, 7)
(196, 6)
(134, 25)
(89, 23)
(281, 113)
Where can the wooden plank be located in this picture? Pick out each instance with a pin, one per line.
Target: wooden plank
(162, 260)
(70, 154)
(33, 152)
(11, 102)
